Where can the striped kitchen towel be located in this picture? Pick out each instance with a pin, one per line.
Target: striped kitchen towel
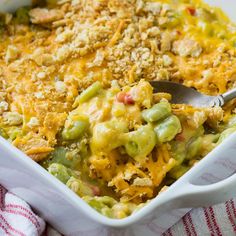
(219, 220)
(17, 218)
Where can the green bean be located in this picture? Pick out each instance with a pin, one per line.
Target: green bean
(83, 147)
(94, 202)
(168, 129)
(206, 15)
(101, 204)
(76, 130)
(178, 150)
(108, 201)
(3, 133)
(225, 134)
(58, 155)
(60, 172)
(179, 147)
(122, 210)
(209, 142)
(14, 132)
(193, 147)
(157, 112)
(172, 21)
(89, 93)
(22, 15)
(132, 148)
(61, 156)
(178, 171)
(140, 143)
(79, 187)
(105, 200)
(110, 207)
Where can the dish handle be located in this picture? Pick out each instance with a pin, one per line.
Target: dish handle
(192, 195)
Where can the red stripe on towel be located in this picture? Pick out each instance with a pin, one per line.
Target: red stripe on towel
(10, 227)
(1, 198)
(186, 225)
(214, 220)
(169, 232)
(2, 194)
(25, 216)
(23, 209)
(231, 220)
(45, 233)
(208, 221)
(4, 229)
(233, 207)
(188, 215)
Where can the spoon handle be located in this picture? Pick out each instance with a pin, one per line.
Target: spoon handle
(222, 99)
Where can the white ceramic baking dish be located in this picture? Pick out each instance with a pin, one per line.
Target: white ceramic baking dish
(211, 181)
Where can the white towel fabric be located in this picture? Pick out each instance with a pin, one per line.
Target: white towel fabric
(17, 219)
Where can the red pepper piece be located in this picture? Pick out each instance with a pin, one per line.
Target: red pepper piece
(179, 137)
(191, 11)
(96, 190)
(125, 98)
(178, 32)
(129, 100)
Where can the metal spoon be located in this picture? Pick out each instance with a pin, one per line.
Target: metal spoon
(185, 95)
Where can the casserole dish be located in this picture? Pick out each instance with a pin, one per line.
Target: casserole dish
(50, 198)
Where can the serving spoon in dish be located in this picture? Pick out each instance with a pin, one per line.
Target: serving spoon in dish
(182, 94)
